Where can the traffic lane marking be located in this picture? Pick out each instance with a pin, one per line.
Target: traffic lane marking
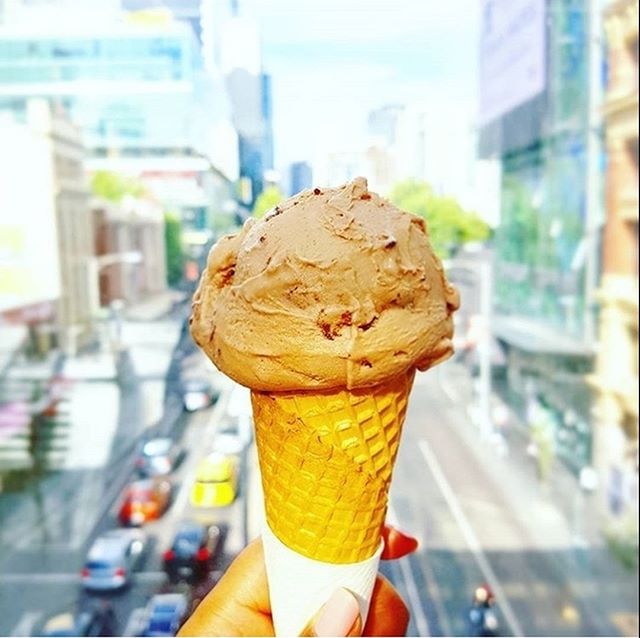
(24, 627)
(45, 578)
(470, 538)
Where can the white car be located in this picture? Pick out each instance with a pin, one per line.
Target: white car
(112, 558)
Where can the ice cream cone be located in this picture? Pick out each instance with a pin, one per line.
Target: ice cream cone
(325, 308)
(326, 460)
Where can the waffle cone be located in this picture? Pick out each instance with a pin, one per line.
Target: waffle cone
(326, 460)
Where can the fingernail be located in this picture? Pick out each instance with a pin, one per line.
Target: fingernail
(338, 615)
(397, 544)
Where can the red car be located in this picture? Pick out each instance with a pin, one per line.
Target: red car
(144, 501)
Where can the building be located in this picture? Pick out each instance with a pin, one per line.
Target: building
(130, 249)
(539, 73)
(136, 85)
(616, 374)
(46, 279)
(249, 89)
(300, 177)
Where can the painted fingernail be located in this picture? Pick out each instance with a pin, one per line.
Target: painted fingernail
(338, 615)
(397, 544)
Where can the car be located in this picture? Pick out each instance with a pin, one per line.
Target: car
(216, 481)
(165, 613)
(198, 393)
(191, 552)
(111, 559)
(145, 501)
(241, 427)
(228, 443)
(158, 457)
(95, 621)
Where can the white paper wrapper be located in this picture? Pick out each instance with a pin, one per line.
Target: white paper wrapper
(299, 586)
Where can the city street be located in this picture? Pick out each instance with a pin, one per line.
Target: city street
(48, 528)
(481, 516)
(479, 512)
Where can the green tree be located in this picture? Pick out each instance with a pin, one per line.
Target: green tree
(270, 197)
(173, 246)
(114, 186)
(448, 223)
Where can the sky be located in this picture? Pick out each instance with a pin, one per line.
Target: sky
(332, 61)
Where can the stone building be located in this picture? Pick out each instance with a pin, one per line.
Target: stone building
(615, 379)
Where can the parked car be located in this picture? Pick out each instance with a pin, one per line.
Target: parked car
(198, 393)
(112, 558)
(192, 551)
(165, 614)
(98, 620)
(228, 443)
(159, 457)
(145, 501)
(216, 481)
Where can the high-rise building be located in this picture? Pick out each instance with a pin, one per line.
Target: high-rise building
(300, 177)
(46, 277)
(536, 83)
(616, 375)
(137, 87)
(250, 94)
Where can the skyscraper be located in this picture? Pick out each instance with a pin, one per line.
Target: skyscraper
(249, 90)
(300, 177)
(534, 90)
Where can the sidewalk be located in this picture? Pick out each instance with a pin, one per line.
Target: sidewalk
(154, 307)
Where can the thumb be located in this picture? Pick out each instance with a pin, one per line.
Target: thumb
(339, 616)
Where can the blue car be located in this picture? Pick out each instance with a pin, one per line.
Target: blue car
(165, 614)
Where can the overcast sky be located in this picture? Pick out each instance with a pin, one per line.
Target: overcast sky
(332, 61)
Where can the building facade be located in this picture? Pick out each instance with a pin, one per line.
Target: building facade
(547, 243)
(135, 83)
(49, 284)
(130, 250)
(616, 375)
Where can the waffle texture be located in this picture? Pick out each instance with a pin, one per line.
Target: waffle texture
(326, 460)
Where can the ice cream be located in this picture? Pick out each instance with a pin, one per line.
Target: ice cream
(324, 309)
(334, 288)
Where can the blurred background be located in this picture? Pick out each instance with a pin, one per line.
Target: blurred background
(135, 133)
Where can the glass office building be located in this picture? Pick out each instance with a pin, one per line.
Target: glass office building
(133, 88)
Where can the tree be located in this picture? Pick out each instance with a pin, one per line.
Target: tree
(114, 186)
(173, 246)
(448, 223)
(270, 197)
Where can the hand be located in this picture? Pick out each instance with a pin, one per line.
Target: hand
(239, 604)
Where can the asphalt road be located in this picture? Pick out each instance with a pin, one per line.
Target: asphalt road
(480, 515)
(48, 528)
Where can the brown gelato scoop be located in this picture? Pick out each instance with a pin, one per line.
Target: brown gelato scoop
(333, 288)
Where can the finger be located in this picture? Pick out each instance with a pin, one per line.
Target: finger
(396, 543)
(239, 604)
(339, 616)
(388, 615)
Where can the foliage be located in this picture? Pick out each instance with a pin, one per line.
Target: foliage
(173, 246)
(270, 197)
(114, 186)
(449, 225)
(519, 239)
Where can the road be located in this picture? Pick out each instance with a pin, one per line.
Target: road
(48, 528)
(480, 515)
